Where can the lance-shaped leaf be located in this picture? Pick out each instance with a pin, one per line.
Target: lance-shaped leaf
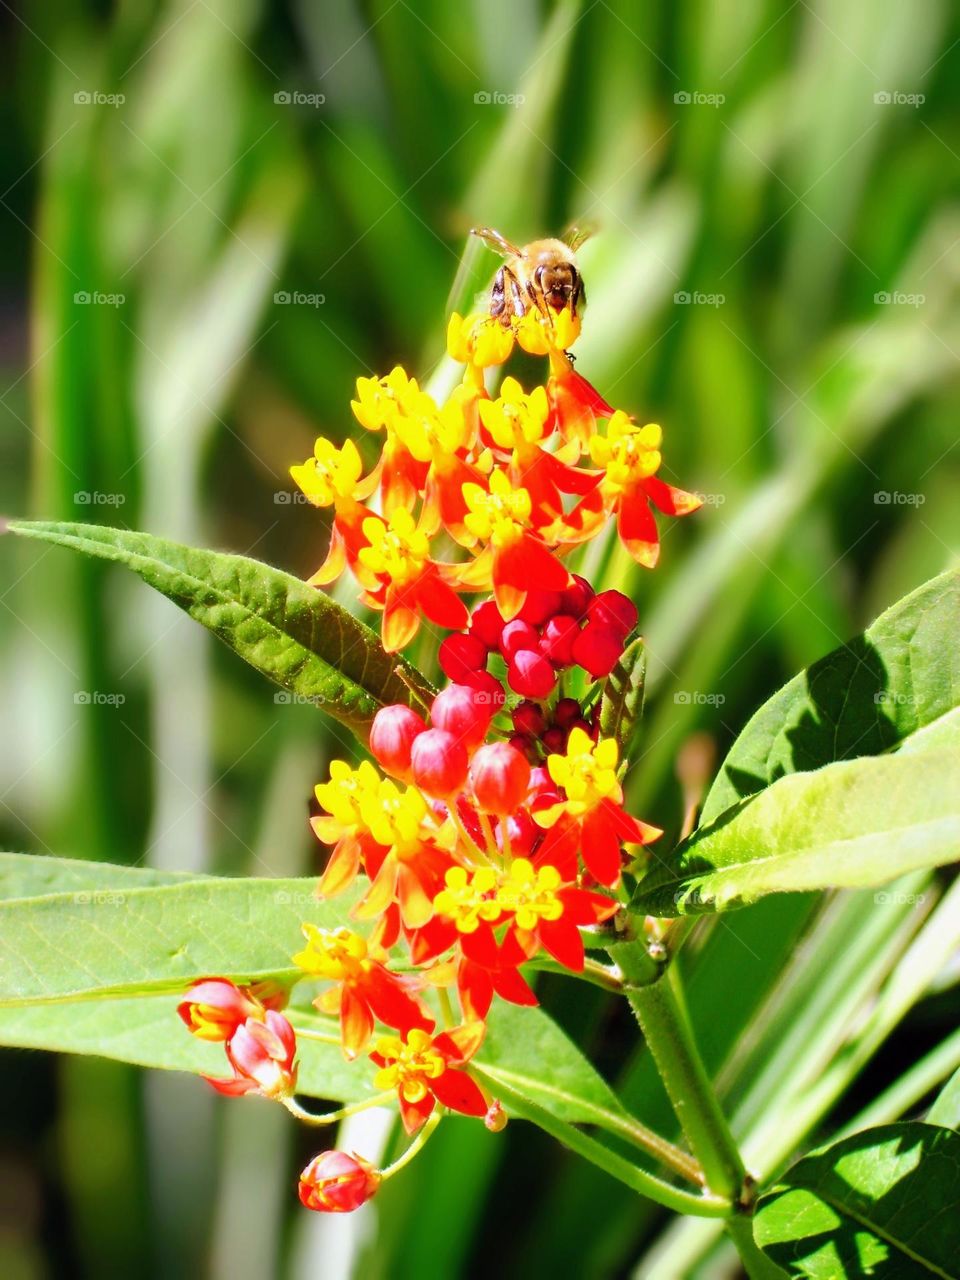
(882, 1203)
(850, 825)
(295, 635)
(860, 700)
(621, 701)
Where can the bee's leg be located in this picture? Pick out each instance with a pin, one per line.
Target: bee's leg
(516, 293)
(497, 299)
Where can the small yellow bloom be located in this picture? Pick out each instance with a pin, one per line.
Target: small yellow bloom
(330, 474)
(336, 954)
(398, 550)
(587, 773)
(627, 453)
(515, 418)
(499, 515)
(478, 340)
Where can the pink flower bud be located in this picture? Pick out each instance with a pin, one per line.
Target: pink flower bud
(461, 655)
(392, 735)
(517, 635)
(334, 1182)
(613, 609)
(577, 597)
(488, 687)
(558, 638)
(500, 777)
(597, 649)
(530, 674)
(262, 1056)
(439, 763)
(464, 712)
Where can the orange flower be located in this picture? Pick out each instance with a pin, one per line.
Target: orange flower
(592, 804)
(512, 556)
(365, 991)
(427, 1069)
(215, 1007)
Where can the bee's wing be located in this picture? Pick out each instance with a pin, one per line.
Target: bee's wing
(496, 241)
(578, 232)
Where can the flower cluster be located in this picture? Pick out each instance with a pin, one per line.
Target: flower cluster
(491, 833)
(517, 480)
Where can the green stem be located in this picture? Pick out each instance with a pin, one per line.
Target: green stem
(705, 1205)
(334, 1117)
(670, 1039)
(416, 1146)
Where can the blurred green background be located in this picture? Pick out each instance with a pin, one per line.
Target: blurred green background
(218, 213)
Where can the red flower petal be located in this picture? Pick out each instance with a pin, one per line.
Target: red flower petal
(600, 848)
(458, 1091)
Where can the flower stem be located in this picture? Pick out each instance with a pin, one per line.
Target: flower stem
(415, 1147)
(333, 1117)
(670, 1039)
(704, 1205)
(476, 850)
(304, 1033)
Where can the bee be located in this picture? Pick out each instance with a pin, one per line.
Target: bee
(542, 274)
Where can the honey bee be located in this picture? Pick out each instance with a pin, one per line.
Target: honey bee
(542, 274)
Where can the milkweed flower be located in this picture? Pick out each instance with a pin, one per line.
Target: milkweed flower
(365, 990)
(592, 805)
(262, 1054)
(215, 1007)
(334, 1182)
(426, 1069)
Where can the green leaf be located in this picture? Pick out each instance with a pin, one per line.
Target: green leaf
(621, 700)
(99, 941)
(882, 1203)
(297, 636)
(852, 824)
(533, 1057)
(147, 1032)
(862, 699)
(28, 875)
(946, 1110)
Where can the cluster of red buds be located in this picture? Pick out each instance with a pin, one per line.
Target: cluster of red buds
(494, 831)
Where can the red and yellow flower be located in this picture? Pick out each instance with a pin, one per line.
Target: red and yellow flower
(426, 1069)
(334, 1182)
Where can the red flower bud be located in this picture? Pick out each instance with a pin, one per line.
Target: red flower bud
(488, 687)
(524, 744)
(529, 719)
(555, 741)
(597, 649)
(566, 711)
(392, 735)
(486, 623)
(464, 712)
(439, 763)
(517, 635)
(530, 674)
(540, 781)
(577, 597)
(462, 655)
(524, 834)
(500, 777)
(334, 1182)
(613, 609)
(558, 637)
(539, 606)
(215, 1007)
